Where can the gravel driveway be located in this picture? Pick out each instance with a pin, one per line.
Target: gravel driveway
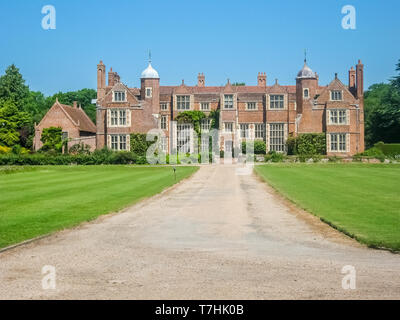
(218, 235)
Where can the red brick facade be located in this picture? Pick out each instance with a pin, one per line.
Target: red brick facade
(272, 113)
(73, 121)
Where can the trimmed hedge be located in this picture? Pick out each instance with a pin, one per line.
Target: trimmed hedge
(79, 159)
(388, 149)
(307, 144)
(259, 146)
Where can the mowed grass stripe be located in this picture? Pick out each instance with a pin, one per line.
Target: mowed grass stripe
(83, 193)
(358, 199)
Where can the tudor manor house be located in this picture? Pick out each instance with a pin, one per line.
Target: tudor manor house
(267, 112)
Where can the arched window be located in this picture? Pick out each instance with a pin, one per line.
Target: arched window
(305, 93)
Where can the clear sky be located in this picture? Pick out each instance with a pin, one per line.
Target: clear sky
(223, 39)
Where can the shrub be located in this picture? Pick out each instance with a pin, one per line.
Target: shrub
(291, 146)
(274, 156)
(375, 153)
(307, 144)
(4, 149)
(389, 149)
(258, 145)
(51, 138)
(311, 144)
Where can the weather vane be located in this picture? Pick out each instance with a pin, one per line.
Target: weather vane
(305, 55)
(149, 56)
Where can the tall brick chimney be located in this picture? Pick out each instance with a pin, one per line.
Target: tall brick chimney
(352, 81)
(101, 80)
(201, 80)
(111, 78)
(262, 79)
(360, 79)
(75, 104)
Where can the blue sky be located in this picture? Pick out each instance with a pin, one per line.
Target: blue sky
(223, 39)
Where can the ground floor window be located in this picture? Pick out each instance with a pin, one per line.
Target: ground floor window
(338, 142)
(164, 122)
(244, 130)
(228, 126)
(205, 124)
(205, 142)
(164, 144)
(277, 137)
(183, 138)
(118, 142)
(259, 130)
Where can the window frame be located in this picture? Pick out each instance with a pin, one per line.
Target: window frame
(204, 103)
(186, 102)
(338, 142)
(257, 131)
(228, 103)
(117, 141)
(334, 93)
(120, 95)
(164, 123)
(151, 92)
(163, 104)
(118, 118)
(230, 125)
(244, 128)
(276, 137)
(251, 109)
(338, 117)
(273, 102)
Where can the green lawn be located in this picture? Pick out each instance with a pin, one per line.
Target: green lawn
(37, 201)
(361, 200)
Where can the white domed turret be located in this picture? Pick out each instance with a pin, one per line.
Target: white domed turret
(306, 72)
(150, 73)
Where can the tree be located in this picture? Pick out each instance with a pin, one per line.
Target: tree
(52, 139)
(396, 80)
(13, 88)
(83, 97)
(11, 121)
(382, 114)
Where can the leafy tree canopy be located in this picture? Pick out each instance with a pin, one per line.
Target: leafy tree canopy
(13, 88)
(52, 139)
(11, 121)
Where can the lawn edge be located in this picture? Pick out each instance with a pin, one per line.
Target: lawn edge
(99, 217)
(327, 222)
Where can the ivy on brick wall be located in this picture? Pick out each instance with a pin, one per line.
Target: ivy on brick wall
(139, 145)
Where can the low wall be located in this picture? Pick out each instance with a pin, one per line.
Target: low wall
(90, 141)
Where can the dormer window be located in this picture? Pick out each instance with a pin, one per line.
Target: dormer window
(306, 93)
(119, 96)
(336, 95)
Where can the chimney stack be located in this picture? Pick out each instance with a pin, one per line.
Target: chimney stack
(75, 104)
(113, 78)
(360, 79)
(352, 81)
(262, 79)
(201, 79)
